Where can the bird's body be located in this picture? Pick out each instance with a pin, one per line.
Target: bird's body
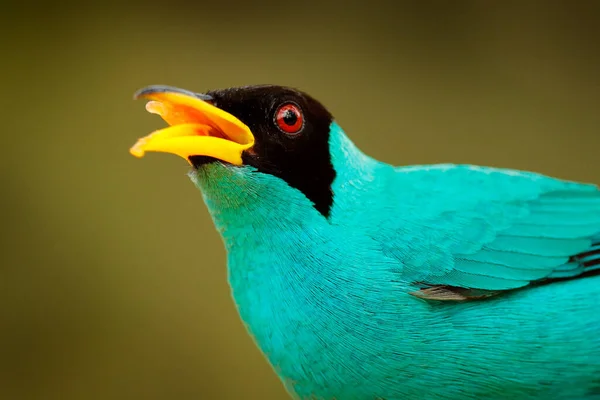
(421, 282)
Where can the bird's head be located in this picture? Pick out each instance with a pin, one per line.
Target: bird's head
(270, 142)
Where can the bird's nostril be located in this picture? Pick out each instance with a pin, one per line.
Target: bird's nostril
(205, 97)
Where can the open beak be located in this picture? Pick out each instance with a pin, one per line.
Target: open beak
(197, 128)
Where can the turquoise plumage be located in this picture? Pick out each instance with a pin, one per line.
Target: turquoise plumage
(420, 282)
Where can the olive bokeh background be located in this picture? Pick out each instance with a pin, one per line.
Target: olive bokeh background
(112, 278)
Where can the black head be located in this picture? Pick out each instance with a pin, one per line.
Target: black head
(291, 131)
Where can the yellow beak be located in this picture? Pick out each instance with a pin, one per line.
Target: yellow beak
(197, 128)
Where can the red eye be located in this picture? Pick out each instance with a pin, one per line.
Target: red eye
(289, 118)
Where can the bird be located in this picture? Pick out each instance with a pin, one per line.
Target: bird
(361, 280)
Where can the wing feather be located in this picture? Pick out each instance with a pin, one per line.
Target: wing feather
(496, 230)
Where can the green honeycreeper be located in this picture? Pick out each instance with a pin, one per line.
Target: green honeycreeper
(359, 280)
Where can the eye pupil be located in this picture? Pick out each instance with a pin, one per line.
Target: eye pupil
(290, 117)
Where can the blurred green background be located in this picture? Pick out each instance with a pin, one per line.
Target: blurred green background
(112, 278)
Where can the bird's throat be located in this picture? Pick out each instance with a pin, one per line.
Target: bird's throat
(247, 205)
